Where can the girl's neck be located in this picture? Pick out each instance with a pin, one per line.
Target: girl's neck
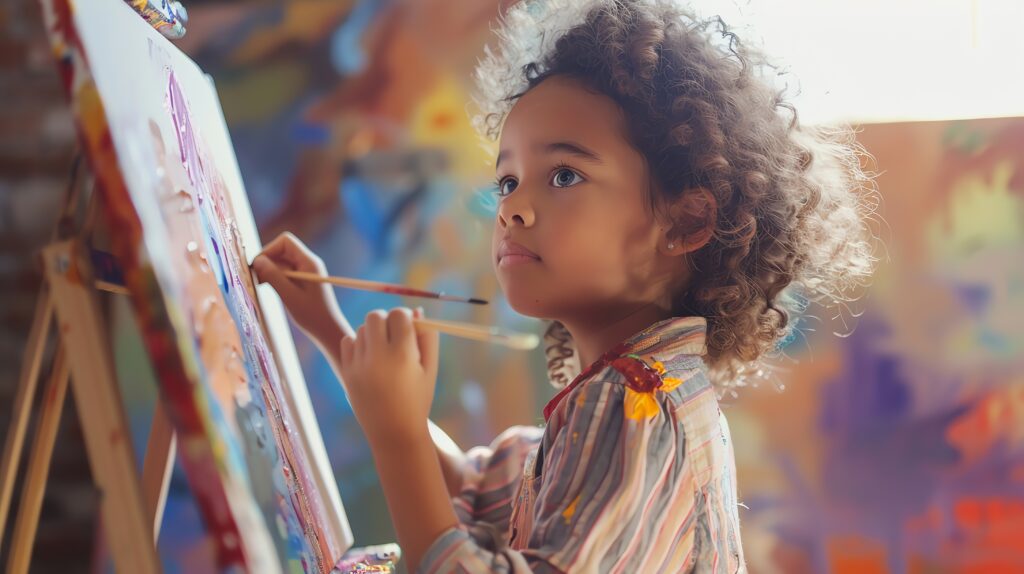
(595, 335)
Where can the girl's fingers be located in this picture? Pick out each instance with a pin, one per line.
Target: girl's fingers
(284, 253)
(288, 251)
(400, 328)
(278, 250)
(268, 271)
(347, 349)
(360, 344)
(429, 343)
(376, 327)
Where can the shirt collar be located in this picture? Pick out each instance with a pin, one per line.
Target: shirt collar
(667, 339)
(662, 341)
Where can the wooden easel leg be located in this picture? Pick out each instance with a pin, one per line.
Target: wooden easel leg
(157, 467)
(38, 467)
(97, 397)
(27, 381)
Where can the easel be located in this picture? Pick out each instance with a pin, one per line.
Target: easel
(131, 510)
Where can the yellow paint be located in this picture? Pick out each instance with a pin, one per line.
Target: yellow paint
(440, 120)
(669, 383)
(568, 513)
(640, 406)
(983, 211)
(304, 23)
(581, 397)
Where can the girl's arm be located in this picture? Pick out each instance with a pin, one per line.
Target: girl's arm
(414, 486)
(389, 370)
(449, 455)
(451, 458)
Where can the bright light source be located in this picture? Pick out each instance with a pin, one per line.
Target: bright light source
(891, 60)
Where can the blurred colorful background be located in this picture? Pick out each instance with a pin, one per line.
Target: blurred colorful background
(895, 444)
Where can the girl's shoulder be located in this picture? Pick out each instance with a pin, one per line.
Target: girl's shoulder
(645, 386)
(678, 379)
(661, 365)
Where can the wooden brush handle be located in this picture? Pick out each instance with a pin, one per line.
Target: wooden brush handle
(522, 341)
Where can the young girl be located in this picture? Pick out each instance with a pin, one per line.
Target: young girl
(656, 198)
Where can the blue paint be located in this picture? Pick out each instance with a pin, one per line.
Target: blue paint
(346, 49)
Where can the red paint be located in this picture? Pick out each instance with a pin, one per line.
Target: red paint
(639, 376)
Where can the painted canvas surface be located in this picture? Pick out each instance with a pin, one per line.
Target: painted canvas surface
(249, 444)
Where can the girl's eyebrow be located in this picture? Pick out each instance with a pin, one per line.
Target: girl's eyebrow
(568, 147)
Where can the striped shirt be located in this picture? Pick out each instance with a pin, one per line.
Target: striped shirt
(633, 473)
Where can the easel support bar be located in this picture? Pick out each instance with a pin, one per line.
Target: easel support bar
(39, 466)
(97, 397)
(34, 349)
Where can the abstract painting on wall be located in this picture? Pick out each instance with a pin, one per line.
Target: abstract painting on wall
(154, 133)
(899, 447)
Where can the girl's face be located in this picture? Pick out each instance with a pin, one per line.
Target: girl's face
(574, 239)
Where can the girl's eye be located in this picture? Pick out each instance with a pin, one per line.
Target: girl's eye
(506, 186)
(565, 177)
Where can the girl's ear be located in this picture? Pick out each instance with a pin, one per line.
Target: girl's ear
(693, 215)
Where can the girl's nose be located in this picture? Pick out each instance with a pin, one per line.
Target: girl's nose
(515, 210)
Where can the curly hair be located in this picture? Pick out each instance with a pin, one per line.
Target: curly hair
(793, 202)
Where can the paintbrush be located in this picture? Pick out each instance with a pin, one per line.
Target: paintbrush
(380, 287)
(522, 341)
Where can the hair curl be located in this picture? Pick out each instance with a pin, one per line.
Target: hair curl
(793, 202)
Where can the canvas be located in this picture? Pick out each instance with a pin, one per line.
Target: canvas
(154, 133)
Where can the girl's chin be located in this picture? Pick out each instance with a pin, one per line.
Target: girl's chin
(526, 303)
(530, 308)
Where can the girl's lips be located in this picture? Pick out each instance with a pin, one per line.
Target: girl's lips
(511, 253)
(516, 259)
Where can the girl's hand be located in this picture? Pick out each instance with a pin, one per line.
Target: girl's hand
(389, 371)
(312, 306)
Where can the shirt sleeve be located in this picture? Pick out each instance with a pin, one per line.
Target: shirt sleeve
(615, 491)
(491, 478)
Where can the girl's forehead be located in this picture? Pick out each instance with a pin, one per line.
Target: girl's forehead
(561, 109)
(566, 97)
